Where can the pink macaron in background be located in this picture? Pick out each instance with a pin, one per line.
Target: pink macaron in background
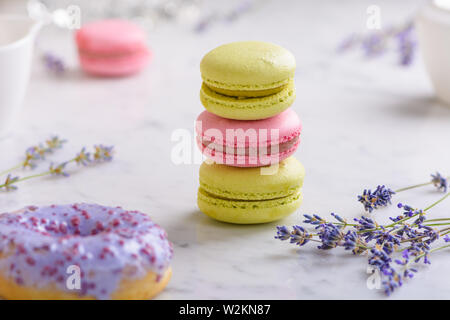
(112, 48)
(251, 143)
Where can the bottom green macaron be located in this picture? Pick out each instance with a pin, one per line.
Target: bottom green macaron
(250, 195)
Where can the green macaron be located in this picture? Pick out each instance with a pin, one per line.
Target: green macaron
(250, 195)
(247, 80)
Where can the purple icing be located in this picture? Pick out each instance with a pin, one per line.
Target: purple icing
(107, 244)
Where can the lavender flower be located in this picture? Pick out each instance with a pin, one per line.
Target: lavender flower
(385, 240)
(353, 241)
(283, 233)
(379, 42)
(103, 153)
(406, 232)
(381, 197)
(8, 185)
(439, 182)
(394, 281)
(405, 260)
(407, 44)
(83, 157)
(300, 236)
(58, 170)
(397, 218)
(31, 154)
(315, 219)
(374, 45)
(379, 258)
(408, 210)
(54, 143)
(330, 235)
(38, 152)
(338, 218)
(429, 233)
(365, 223)
(54, 63)
(409, 272)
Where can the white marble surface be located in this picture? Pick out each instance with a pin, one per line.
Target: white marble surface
(365, 123)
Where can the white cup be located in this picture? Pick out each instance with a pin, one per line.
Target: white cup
(433, 25)
(17, 34)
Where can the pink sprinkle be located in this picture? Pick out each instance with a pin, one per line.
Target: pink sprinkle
(99, 225)
(63, 227)
(115, 222)
(85, 214)
(21, 249)
(75, 221)
(31, 261)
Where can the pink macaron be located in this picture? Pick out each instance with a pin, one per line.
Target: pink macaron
(112, 48)
(251, 143)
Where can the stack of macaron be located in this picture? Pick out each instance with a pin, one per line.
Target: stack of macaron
(248, 133)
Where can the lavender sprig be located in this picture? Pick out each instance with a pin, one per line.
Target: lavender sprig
(382, 242)
(439, 182)
(378, 42)
(53, 143)
(37, 152)
(382, 196)
(407, 43)
(83, 157)
(9, 182)
(102, 154)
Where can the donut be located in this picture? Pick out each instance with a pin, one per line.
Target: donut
(82, 251)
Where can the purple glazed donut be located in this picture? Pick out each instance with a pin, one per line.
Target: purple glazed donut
(116, 254)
